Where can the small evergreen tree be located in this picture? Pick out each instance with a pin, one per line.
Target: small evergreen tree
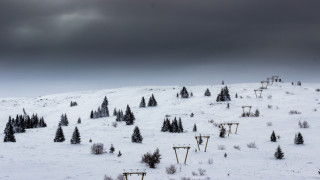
(191, 94)
(228, 106)
(184, 93)
(222, 132)
(207, 93)
(59, 135)
(177, 95)
(236, 95)
(200, 140)
(180, 127)
(194, 128)
(279, 154)
(119, 154)
(273, 137)
(79, 120)
(136, 136)
(64, 120)
(9, 134)
(142, 103)
(257, 113)
(112, 149)
(115, 112)
(298, 139)
(175, 126)
(91, 114)
(75, 137)
(129, 116)
(222, 82)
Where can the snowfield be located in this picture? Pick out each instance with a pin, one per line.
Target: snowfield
(36, 156)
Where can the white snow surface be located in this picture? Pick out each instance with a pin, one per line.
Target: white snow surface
(36, 156)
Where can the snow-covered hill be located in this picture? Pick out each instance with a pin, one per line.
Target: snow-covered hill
(36, 156)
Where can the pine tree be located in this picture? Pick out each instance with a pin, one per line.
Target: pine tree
(75, 136)
(112, 149)
(136, 136)
(222, 82)
(236, 95)
(191, 94)
(298, 139)
(222, 132)
(177, 95)
(207, 93)
(228, 106)
(59, 135)
(104, 111)
(164, 128)
(9, 133)
(169, 125)
(42, 123)
(273, 137)
(194, 128)
(180, 127)
(257, 113)
(91, 114)
(224, 95)
(175, 126)
(200, 140)
(184, 93)
(79, 120)
(119, 154)
(115, 112)
(64, 120)
(279, 154)
(142, 103)
(129, 116)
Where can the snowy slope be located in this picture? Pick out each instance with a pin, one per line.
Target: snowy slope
(36, 156)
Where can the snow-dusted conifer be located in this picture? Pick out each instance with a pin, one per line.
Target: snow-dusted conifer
(184, 93)
(142, 103)
(129, 116)
(59, 135)
(136, 136)
(298, 139)
(207, 93)
(273, 137)
(9, 133)
(279, 154)
(75, 137)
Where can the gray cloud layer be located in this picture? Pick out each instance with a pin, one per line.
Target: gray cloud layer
(60, 36)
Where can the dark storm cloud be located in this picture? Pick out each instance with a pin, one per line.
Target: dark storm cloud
(63, 45)
(138, 28)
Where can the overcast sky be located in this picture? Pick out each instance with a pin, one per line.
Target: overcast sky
(53, 46)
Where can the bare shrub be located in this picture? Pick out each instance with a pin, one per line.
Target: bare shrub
(269, 123)
(294, 112)
(115, 124)
(237, 147)
(269, 106)
(152, 159)
(210, 161)
(194, 173)
(221, 147)
(269, 97)
(107, 177)
(171, 169)
(252, 145)
(120, 177)
(97, 148)
(185, 178)
(202, 172)
(304, 124)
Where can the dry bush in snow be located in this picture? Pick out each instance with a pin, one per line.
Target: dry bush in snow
(115, 124)
(270, 97)
(210, 161)
(269, 123)
(252, 145)
(171, 169)
(107, 177)
(202, 172)
(269, 106)
(304, 124)
(294, 112)
(221, 147)
(97, 148)
(237, 147)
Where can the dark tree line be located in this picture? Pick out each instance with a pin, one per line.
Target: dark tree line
(152, 102)
(173, 127)
(224, 95)
(73, 103)
(21, 123)
(102, 111)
